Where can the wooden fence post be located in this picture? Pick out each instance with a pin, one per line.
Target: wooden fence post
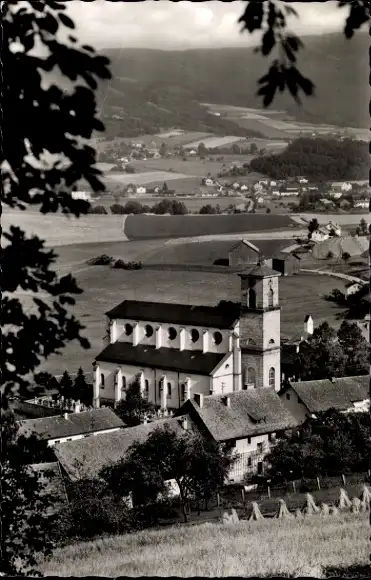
(318, 483)
(269, 492)
(294, 486)
(219, 504)
(344, 480)
(243, 495)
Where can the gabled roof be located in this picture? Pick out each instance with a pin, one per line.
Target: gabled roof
(251, 412)
(191, 361)
(87, 457)
(285, 256)
(76, 424)
(209, 316)
(340, 393)
(246, 243)
(259, 271)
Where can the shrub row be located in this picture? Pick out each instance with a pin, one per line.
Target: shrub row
(104, 260)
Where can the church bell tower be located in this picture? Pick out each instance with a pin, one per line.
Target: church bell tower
(260, 328)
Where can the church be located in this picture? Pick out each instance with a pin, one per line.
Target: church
(179, 351)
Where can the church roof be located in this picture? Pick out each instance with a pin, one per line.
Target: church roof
(259, 271)
(188, 361)
(209, 316)
(252, 412)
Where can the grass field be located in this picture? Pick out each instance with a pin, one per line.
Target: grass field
(193, 204)
(217, 141)
(105, 287)
(143, 177)
(265, 548)
(191, 167)
(144, 226)
(205, 253)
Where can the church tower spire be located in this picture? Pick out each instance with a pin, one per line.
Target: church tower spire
(260, 327)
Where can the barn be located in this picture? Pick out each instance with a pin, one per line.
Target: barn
(286, 264)
(242, 253)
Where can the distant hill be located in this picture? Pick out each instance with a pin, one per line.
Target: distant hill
(152, 87)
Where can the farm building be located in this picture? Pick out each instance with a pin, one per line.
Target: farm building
(320, 235)
(286, 264)
(363, 203)
(242, 253)
(71, 426)
(306, 398)
(353, 287)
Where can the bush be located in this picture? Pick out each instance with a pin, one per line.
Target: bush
(221, 262)
(268, 210)
(100, 209)
(133, 207)
(120, 264)
(117, 208)
(102, 260)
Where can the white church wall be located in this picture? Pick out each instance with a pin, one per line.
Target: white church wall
(222, 379)
(271, 328)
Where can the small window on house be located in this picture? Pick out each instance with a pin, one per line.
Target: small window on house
(271, 341)
(57, 441)
(271, 437)
(148, 330)
(288, 396)
(146, 385)
(172, 333)
(272, 377)
(249, 440)
(218, 337)
(69, 439)
(102, 380)
(259, 447)
(270, 298)
(251, 298)
(169, 389)
(123, 383)
(128, 329)
(195, 335)
(249, 461)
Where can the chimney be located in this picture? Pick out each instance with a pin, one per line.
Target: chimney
(199, 399)
(227, 401)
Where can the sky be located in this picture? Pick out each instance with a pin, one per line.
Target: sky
(182, 25)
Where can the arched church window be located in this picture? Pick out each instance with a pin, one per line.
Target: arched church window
(123, 383)
(148, 330)
(271, 341)
(218, 337)
(252, 298)
(251, 376)
(172, 333)
(102, 379)
(128, 329)
(272, 377)
(270, 298)
(195, 335)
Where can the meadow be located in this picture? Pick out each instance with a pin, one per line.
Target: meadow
(105, 287)
(143, 177)
(192, 203)
(263, 548)
(192, 167)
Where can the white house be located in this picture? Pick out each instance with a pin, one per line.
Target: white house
(306, 398)
(193, 152)
(83, 195)
(244, 187)
(353, 287)
(320, 235)
(236, 185)
(344, 186)
(363, 203)
(141, 190)
(248, 422)
(335, 194)
(71, 426)
(209, 182)
(176, 350)
(335, 227)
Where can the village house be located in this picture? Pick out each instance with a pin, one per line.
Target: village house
(344, 186)
(178, 350)
(83, 195)
(243, 253)
(71, 426)
(362, 203)
(246, 421)
(353, 287)
(320, 235)
(290, 346)
(287, 264)
(333, 227)
(141, 190)
(306, 398)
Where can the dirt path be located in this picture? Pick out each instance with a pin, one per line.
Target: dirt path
(275, 235)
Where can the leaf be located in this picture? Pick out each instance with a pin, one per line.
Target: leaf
(66, 20)
(253, 16)
(268, 42)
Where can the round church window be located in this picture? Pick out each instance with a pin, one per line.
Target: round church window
(172, 333)
(148, 330)
(128, 329)
(195, 335)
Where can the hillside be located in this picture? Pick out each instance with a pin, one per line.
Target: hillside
(153, 87)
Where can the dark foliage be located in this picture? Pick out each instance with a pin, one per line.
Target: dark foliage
(83, 391)
(99, 209)
(39, 119)
(102, 260)
(317, 159)
(121, 264)
(134, 408)
(332, 443)
(66, 388)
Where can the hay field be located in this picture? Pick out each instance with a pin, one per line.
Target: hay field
(264, 548)
(148, 226)
(190, 167)
(143, 178)
(105, 287)
(216, 141)
(192, 203)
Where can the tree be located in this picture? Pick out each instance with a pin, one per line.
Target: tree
(270, 16)
(355, 348)
(329, 444)
(207, 209)
(199, 467)
(133, 207)
(202, 150)
(363, 227)
(165, 188)
(44, 130)
(253, 148)
(345, 257)
(66, 387)
(163, 149)
(25, 525)
(134, 408)
(82, 390)
(313, 226)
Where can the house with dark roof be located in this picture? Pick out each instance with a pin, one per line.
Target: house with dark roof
(243, 253)
(247, 421)
(86, 457)
(286, 263)
(176, 350)
(346, 394)
(71, 426)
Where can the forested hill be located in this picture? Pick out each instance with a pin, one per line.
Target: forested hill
(317, 159)
(339, 68)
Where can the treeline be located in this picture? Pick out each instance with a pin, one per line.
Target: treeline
(165, 206)
(78, 389)
(317, 159)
